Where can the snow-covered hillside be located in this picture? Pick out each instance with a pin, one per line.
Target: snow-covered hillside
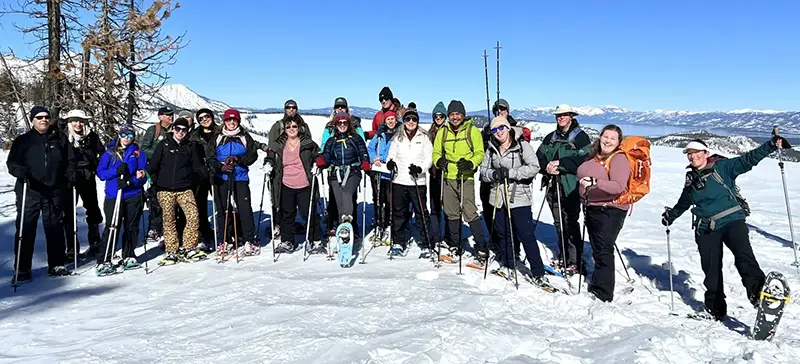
(404, 310)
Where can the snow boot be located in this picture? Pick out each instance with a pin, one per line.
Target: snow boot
(105, 269)
(285, 247)
(170, 259)
(194, 255)
(57, 271)
(129, 263)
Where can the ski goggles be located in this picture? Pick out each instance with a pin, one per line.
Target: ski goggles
(499, 128)
(127, 135)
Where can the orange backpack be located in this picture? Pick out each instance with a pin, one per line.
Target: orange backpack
(637, 150)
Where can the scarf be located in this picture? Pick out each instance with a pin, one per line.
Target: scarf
(231, 133)
(75, 138)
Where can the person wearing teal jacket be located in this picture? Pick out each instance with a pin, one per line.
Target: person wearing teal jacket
(332, 220)
(719, 218)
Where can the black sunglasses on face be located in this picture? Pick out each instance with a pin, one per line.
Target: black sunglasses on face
(291, 107)
(502, 108)
(181, 130)
(382, 99)
(412, 119)
(291, 127)
(438, 117)
(45, 117)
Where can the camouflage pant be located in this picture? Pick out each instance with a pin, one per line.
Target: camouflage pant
(185, 199)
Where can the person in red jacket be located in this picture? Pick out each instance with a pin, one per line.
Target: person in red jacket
(388, 103)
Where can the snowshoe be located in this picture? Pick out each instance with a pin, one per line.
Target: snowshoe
(316, 248)
(170, 259)
(251, 249)
(773, 299)
(500, 272)
(542, 283)
(285, 247)
(194, 255)
(479, 260)
(450, 255)
(344, 238)
(130, 263)
(58, 271)
(105, 269)
(425, 253)
(397, 250)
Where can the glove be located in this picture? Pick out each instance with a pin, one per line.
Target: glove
(500, 174)
(414, 170)
(665, 219)
(392, 166)
(123, 180)
(269, 159)
(365, 166)
(321, 162)
(784, 143)
(231, 160)
(123, 169)
(464, 165)
(366, 135)
(72, 177)
(441, 163)
(228, 168)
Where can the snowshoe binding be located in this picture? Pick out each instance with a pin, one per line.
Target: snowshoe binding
(773, 299)
(479, 260)
(194, 255)
(541, 282)
(284, 247)
(170, 259)
(251, 249)
(397, 250)
(129, 263)
(105, 269)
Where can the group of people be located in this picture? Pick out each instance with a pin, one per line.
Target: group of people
(183, 163)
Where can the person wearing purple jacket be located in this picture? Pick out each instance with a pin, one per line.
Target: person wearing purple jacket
(122, 168)
(602, 176)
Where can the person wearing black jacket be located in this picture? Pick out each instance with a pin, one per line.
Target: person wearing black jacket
(87, 149)
(202, 136)
(178, 165)
(41, 160)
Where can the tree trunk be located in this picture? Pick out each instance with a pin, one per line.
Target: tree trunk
(131, 75)
(53, 88)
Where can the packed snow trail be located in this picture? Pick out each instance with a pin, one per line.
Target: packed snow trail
(404, 310)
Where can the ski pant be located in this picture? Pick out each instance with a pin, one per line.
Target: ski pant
(346, 194)
(130, 214)
(201, 200)
(243, 211)
(49, 205)
(522, 227)
(735, 235)
(565, 217)
(603, 223)
(484, 191)
(381, 206)
(169, 200)
(292, 201)
(401, 196)
(87, 192)
(435, 186)
(454, 199)
(155, 221)
(332, 221)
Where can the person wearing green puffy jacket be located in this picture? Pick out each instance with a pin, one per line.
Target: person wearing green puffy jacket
(457, 152)
(568, 140)
(719, 218)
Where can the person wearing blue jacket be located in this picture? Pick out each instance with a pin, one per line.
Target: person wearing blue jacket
(339, 105)
(122, 167)
(344, 153)
(232, 152)
(378, 149)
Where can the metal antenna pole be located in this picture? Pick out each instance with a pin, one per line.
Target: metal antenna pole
(486, 71)
(498, 47)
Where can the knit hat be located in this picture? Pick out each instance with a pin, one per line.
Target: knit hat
(186, 114)
(411, 112)
(389, 113)
(127, 129)
(181, 122)
(497, 121)
(231, 114)
(439, 109)
(341, 116)
(290, 102)
(165, 111)
(204, 111)
(500, 103)
(38, 109)
(340, 101)
(386, 93)
(456, 106)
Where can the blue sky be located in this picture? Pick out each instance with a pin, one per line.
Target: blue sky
(640, 55)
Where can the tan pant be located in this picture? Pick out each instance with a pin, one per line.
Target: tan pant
(185, 200)
(452, 200)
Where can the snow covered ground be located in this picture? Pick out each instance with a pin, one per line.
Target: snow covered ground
(404, 310)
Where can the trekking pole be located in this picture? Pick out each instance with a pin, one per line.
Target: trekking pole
(308, 221)
(510, 236)
(19, 237)
(112, 230)
(539, 215)
(561, 228)
(669, 262)
(261, 210)
(214, 210)
(224, 249)
(583, 240)
(460, 217)
(146, 270)
(363, 217)
(796, 264)
(491, 230)
(486, 71)
(422, 210)
(75, 229)
(630, 280)
(442, 221)
(233, 212)
(391, 212)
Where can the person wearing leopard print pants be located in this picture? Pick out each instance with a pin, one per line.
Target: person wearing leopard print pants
(178, 164)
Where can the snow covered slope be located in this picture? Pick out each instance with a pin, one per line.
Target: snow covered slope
(404, 310)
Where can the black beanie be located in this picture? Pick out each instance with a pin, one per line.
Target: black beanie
(456, 106)
(386, 93)
(38, 109)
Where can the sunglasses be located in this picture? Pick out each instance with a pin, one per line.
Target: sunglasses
(291, 108)
(502, 108)
(438, 116)
(46, 117)
(291, 127)
(382, 99)
(499, 128)
(181, 130)
(127, 135)
(342, 122)
(340, 107)
(203, 117)
(411, 119)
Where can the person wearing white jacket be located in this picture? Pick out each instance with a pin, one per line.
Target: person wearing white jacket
(410, 159)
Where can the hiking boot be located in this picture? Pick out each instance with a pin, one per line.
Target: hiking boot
(170, 259)
(130, 263)
(541, 282)
(425, 253)
(202, 246)
(194, 255)
(397, 250)
(251, 248)
(284, 247)
(105, 269)
(57, 271)
(317, 248)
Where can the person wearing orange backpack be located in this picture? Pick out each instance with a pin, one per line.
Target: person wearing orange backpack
(602, 177)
